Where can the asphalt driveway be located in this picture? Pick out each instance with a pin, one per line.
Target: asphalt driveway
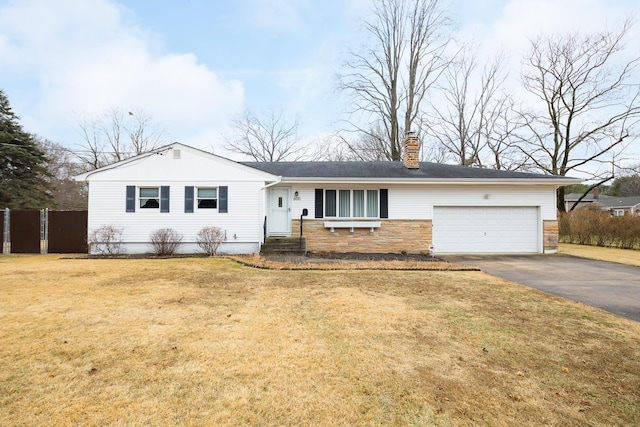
(605, 285)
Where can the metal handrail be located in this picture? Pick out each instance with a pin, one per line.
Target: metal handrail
(264, 230)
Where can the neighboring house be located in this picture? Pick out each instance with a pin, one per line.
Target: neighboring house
(617, 206)
(406, 206)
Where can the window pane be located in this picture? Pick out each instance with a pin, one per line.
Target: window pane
(330, 203)
(344, 203)
(207, 203)
(207, 193)
(207, 198)
(358, 203)
(149, 192)
(372, 203)
(149, 198)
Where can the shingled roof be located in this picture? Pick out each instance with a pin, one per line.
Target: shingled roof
(388, 170)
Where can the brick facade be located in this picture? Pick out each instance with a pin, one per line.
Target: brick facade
(550, 235)
(395, 236)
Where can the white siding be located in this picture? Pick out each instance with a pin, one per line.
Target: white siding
(306, 199)
(242, 223)
(417, 201)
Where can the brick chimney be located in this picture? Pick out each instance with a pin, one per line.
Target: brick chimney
(411, 151)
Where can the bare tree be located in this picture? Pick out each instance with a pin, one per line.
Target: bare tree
(62, 164)
(388, 80)
(331, 147)
(474, 123)
(589, 103)
(272, 138)
(115, 135)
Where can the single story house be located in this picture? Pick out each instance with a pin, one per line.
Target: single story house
(407, 206)
(617, 206)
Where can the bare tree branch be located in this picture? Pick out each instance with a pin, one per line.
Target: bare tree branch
(271, 138)
(591, 97)
(388, 81)
(115, 135)
(474, 124)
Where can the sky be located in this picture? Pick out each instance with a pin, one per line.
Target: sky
(193, 65)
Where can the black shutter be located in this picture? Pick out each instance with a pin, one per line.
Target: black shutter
(131, 198)
(384, 203)
(319, 204)
(223, 199)
(164, 198)
(188, 199)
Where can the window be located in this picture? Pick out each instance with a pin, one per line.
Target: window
(149, 198)
(330, 203)
(618, 212)
(207, 198)
(344, 204)
(372, 203)
(351, 203)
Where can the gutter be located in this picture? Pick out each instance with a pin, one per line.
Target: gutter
(434, 181)
(276, 182)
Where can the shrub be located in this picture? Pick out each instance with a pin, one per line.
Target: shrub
(106, 240)
(165, 241)
(209, 239)
(598, 228)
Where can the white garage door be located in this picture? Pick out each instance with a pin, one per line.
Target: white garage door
(485, 229)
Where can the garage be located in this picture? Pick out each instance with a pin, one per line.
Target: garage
(474, 229)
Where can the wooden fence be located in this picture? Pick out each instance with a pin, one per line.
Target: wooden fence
(44, 231)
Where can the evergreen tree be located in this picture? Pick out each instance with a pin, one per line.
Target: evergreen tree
(626, 186)
(24, 178)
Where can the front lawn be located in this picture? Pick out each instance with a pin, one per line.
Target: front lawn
(622, 256)
(205, 341)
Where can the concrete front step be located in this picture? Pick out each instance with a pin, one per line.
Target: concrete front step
(284, 245)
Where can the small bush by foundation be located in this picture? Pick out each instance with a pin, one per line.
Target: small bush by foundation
(209, 239)
(165, 241)
(106, 240)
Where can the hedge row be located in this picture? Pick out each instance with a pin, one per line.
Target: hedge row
(597, 228)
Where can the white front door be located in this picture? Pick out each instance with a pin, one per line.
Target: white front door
(279, 212)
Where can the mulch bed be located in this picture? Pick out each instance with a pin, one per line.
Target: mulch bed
(350, 261)
(349, 257)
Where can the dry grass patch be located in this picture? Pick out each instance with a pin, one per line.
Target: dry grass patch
(622, 256)
(205, 341)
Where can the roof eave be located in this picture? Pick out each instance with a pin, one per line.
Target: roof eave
(560, 181)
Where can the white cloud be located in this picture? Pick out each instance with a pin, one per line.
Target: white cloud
(86, 56)
(276, 15)
(518, 21)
